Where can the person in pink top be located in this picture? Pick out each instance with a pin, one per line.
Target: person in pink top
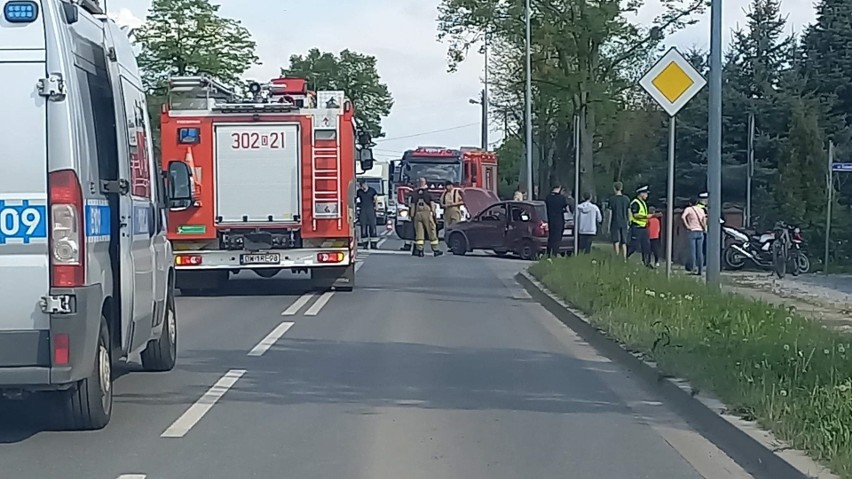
(695, 220)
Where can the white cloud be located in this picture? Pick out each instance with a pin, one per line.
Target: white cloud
(402, 35)
(125, 17)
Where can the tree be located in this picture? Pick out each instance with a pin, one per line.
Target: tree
(584, 55)
(354, 73)
(188, 37)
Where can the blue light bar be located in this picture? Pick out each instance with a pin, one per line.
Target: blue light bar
(20, 11)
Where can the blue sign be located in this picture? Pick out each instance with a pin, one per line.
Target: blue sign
(97, 221)
(841, 167)
(23, 221)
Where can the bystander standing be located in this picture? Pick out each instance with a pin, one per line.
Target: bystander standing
(588, 218)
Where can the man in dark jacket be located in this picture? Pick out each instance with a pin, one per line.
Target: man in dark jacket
(556, 204)
(366, 196)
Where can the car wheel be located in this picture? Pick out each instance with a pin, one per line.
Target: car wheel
(88, 406)
(458, 244)
(528, 251)
(161, 354)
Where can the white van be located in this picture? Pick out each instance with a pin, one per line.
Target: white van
(85, 268)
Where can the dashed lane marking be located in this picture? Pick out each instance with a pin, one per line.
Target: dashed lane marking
(201, 407)
(319, 303)
(132, 476)
(270, 339)
(297, 305)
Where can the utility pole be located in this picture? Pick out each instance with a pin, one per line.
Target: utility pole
(714, 148)
(528, 102)
(485, 100)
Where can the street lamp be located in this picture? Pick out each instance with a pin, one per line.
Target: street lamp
(483, 100)
(528, 100)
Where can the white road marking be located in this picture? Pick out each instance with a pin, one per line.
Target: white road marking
(201, 407)
(381, 242)
(319, 303)
(270, 339)
(358, 265)
(297, 305)
(132, 476)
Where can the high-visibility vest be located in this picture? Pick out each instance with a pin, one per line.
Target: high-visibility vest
(643, 212)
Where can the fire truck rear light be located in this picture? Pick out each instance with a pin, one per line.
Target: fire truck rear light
(331, 257)
(188, 260)
(61, 350)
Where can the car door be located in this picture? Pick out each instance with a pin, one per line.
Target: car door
(138, 212)
(489, 228)
(519, 227)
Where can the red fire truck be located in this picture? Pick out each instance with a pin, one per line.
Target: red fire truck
(273, 180)
(467, 166)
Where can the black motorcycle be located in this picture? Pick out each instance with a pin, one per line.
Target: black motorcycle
(780, 250)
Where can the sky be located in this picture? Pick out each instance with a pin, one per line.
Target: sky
(431, 106)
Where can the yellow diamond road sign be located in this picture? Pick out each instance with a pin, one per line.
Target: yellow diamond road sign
(672, 82)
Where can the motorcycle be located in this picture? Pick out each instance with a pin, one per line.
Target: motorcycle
(781, 249)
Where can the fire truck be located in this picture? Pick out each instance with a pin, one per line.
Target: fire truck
(272, 175)
(466, 166)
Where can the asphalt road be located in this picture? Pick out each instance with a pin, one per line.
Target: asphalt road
(431, 368)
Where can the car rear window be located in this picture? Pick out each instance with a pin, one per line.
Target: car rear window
(541, 212)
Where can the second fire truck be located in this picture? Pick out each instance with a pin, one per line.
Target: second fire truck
(273, 179)
(466, 166)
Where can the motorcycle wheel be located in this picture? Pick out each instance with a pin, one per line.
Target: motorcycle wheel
(793, 263)
(804, 263)
(779, 259)
(733, 259)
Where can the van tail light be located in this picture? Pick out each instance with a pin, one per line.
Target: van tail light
(540, 230)
(61, 350)
(67, 236)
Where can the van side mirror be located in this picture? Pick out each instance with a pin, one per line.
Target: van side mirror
(71, 13)
(179, 186)
(365, 158)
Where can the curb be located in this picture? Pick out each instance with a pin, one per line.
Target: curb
(754, 449)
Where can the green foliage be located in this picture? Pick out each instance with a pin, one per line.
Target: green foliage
(188, 37)
(352, 72)
(765, 362)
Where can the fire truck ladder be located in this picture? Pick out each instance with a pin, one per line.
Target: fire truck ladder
(202, 87)
(325, 170)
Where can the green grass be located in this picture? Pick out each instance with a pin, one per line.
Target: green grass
(765, 362)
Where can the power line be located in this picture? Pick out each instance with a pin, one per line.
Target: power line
(459, 127)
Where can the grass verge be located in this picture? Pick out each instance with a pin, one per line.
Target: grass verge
(767, 363)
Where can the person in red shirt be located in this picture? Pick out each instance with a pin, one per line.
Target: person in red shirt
(654, 234)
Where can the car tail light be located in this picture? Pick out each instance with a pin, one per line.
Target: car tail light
(541, 229)
(61, 350)
(188, 260)
(67, 236)
(331, 257)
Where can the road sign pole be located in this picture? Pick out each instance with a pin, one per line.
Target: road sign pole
(670, 197)
(714, 148)
(830, 194)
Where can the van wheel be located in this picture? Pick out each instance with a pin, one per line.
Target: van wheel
(88, 406)
(458, 245)
(161, 354)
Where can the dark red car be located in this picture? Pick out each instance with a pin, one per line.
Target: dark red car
(504, 227)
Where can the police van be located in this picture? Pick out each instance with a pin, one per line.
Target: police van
(86, 272)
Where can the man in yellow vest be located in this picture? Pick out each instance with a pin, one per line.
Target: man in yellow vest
(638, 217)
(451, 201)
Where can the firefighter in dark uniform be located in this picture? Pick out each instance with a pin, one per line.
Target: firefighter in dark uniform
(366, 196)
(638, 215)
(423, 206)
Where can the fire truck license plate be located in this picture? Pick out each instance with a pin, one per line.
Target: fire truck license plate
(260, 258)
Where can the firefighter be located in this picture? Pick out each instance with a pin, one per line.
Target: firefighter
(423, 205)
(366, 196)
(451, 201)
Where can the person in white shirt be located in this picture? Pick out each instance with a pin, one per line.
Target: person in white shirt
(588, 218)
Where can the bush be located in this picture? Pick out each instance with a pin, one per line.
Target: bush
(767, 363)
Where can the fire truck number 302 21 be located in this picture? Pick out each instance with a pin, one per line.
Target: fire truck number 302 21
(256, 141)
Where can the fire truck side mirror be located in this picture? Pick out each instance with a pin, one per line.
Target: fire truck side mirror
(365, 158)
(365, 139)
(179, 186)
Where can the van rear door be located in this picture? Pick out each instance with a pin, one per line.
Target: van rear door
(24, 266)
